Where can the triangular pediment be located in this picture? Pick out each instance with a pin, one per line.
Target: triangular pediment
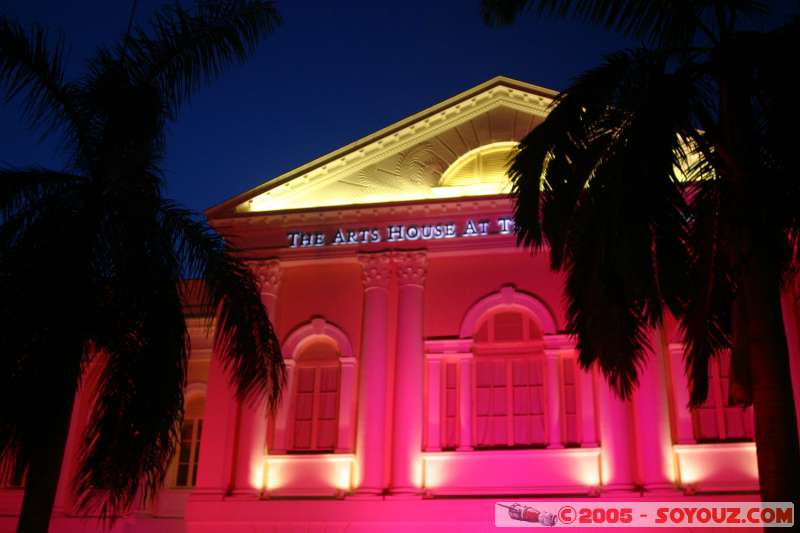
(457, 148)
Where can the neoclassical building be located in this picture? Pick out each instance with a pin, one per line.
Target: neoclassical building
(429, 372)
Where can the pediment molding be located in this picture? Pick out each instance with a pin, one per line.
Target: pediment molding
(355, 165)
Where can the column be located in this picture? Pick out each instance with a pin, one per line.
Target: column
(651, 405)
(434, 441)
(617, 461)
(215, 468)
(370, 440)
(344, 441)
(587, 410)
(553, 390)
(680, 392)
(792, 327)
(408, 416)
(465, 401)
(249, 477)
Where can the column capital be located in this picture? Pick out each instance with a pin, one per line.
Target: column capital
(268, 274)
(412, 267)
(376, 269)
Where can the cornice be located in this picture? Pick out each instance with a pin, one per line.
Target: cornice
(335, 215)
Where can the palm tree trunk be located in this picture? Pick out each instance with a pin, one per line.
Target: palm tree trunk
(44, 468)
(776, 429)
(753, 250)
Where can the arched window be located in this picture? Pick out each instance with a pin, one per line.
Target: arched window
(510, 397)
(189, 445)
(718, 420)
(316, 401)
(479, 171)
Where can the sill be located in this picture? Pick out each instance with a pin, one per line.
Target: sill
(310, 452)
(567, 447)
(506, 452)
(724, 441)
(715, 445)
(520, 447)
(300, 457)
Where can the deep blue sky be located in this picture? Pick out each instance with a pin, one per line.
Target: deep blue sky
(332, 73)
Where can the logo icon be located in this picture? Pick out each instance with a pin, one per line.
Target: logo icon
(524, 513)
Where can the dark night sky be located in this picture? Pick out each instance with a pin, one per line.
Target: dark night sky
(332, 73)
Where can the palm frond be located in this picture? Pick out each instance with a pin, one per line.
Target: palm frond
(133, 429)
(244, 337)
(41, 343)
(32, 71)
(658, 22)
(707, 320)
(613, 210)
(190, 49)
(23, 188)
(555, 161)
(138, 331)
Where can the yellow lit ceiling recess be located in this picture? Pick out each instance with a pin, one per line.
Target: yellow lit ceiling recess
(479, 172)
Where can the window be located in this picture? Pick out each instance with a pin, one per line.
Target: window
(189, 446)
(479, 171)
(316, 401)
(718, 420)
(509, 401)
(509, 381)
(512, 388)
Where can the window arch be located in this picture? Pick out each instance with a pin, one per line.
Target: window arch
(508, 296)
(188, 453)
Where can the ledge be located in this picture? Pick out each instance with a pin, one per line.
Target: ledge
(309, 475)
(717, 467)
(497, 472)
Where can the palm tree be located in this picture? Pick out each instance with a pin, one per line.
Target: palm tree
(92, 257)
(599, 182)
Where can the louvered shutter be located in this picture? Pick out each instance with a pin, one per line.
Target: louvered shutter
(328, 407)
(570, 409)
(304, 408)
(450, 411)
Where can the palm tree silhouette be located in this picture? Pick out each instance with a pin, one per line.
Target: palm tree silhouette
(598, 181)
(92, 257)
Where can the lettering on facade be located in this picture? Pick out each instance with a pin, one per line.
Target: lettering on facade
(401, 232)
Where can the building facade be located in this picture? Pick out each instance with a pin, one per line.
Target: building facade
(429, 373)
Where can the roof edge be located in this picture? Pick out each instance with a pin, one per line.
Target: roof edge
(218, 209)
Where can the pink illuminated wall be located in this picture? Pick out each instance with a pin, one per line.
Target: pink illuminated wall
(426, 378)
